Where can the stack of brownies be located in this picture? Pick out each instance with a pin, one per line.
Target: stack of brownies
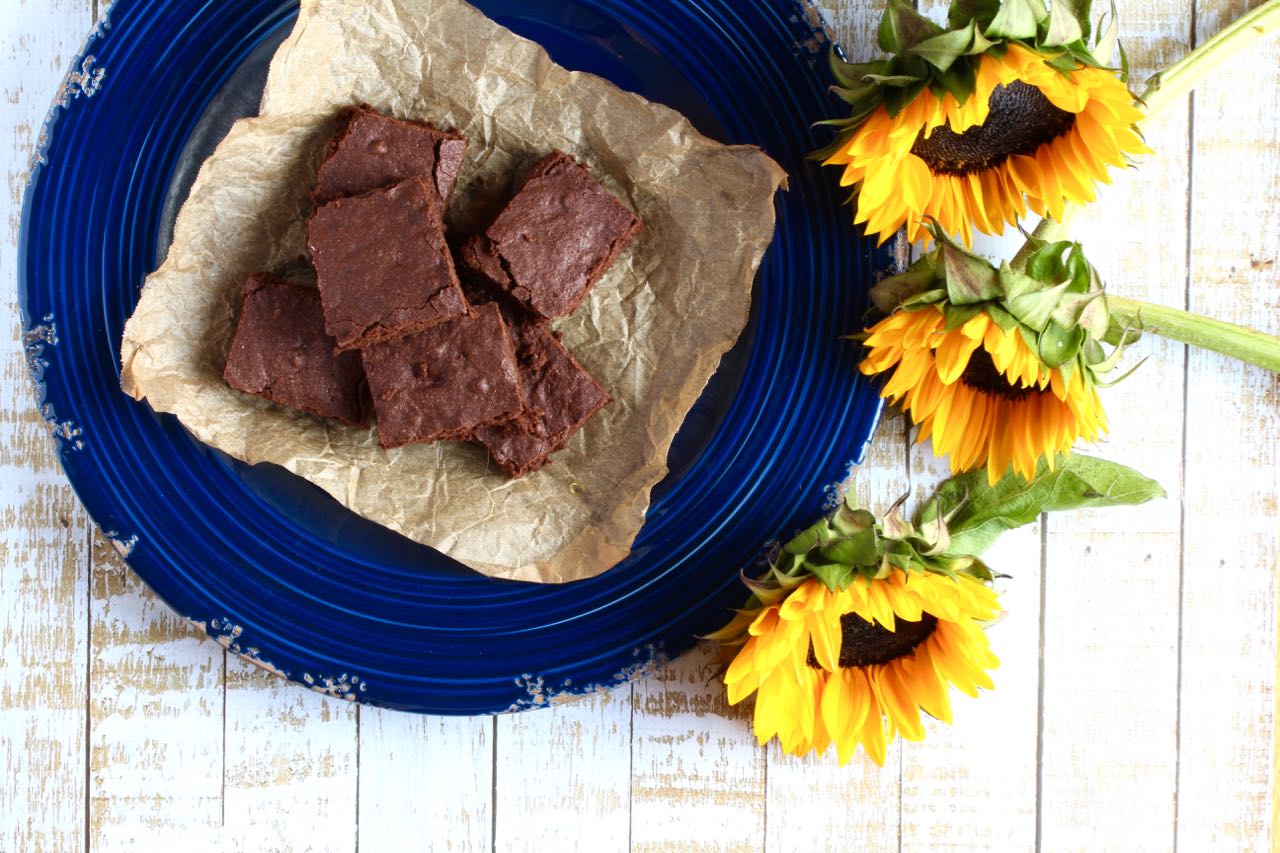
(393, 326)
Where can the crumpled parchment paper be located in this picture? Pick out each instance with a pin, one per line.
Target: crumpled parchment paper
(652, 332)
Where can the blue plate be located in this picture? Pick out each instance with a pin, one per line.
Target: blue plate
(284, 575)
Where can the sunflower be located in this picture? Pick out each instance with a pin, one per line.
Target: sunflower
(857, 665)
(976, 125)
(980, 392)
(1000, 367)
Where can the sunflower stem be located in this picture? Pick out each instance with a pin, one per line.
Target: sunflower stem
(1167, 86)
(1228, 339)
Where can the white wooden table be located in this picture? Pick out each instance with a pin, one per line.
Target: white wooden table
(1135, 707)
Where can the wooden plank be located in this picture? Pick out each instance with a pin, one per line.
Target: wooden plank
(1226, 782)
(811, 800)
(426, 783)
(290, 778)
(971, 785)
(1111, 576)
(44, 533)
(563, 775)
(697, 773)
(155, 706)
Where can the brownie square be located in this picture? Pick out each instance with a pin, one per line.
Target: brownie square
(444, 382)
(282, 352)
(554, 239)
(560, 394)
(382, 264)
(372, 150)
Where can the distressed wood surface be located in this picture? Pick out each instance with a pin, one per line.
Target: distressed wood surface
(1135, 705)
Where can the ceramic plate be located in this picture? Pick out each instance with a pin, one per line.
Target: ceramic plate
(281, 573)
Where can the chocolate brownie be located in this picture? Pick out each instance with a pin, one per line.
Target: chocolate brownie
(382, 264)
(561, 397)
(372, 150)
(282, 352)
(444, 382)
(554, 239)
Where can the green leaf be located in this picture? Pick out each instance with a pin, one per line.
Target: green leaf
(902, 27)
(970, 279)
(1064, 24)
(1017, 19)
(1078, 482)
(1060, 344)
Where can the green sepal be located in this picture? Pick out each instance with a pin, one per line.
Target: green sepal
(1001, 317)
(896, 98)
(1017, 19)
(961, 12)
(960, 80)
(850, 520)
(1015, 282)
(1059, 344)
(1034, 309)
(928, 297)
(981, 512)
(970, 279)
(902, 27)
(1065, 26)
(859, 549)
(958, 315)
(811, 537)
(834, 576)
(1045, 263)
(892, 80)
(890, 293)
(944, 49)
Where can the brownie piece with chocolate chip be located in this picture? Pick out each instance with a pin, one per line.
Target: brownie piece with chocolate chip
(555, 238)
(372, 150)
(446, 381)
(281, 352)
(560, 394)
(382, 264)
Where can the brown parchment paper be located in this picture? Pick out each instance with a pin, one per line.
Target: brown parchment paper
(652, 332)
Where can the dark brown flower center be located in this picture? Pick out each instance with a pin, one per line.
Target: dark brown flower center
(981, 375)
(1020, 120)
(866, 643)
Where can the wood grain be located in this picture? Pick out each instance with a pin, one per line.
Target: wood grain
(562, 776)
(1145, 718)
(290, 777)
(155, 717)
(1225, 793)
(1111, 576)
(426, 783)
(44, 534)
(697, 774)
